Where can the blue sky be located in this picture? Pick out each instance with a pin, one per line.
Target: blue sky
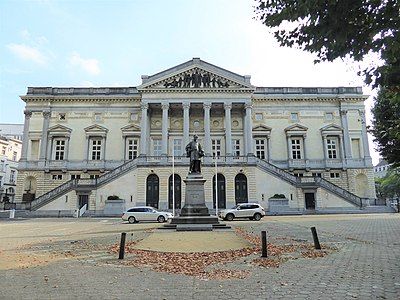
(113, 43)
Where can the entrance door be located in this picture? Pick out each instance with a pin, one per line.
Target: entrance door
(241, 188)
(83, 199)
(310, 200)
(221, 191)
(178, 189)
(152, 191)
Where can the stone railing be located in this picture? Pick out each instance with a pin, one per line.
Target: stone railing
(309, 90)
(278, 172)
(82, 91)
(53, 194)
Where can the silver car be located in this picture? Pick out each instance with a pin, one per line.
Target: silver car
(253, 211)
(145, 213)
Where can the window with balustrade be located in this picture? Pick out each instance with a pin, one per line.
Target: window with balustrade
(261, 147)
(157, 147)
(331, 147)
(236, 147)
(59, 149)
(216, 147)
(296, 148)
(96, 148)
(132, 148)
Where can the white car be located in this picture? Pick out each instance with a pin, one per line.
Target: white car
(253, 211)
(145, 213)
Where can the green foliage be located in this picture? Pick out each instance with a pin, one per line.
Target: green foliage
(113, 197)
(279, 196)
(337, 29)
(348, 28)
(389, 186)
(386, 125)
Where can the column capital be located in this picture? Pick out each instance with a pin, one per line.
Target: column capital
(27, 114)
(228, 106)
(343, 112)
(248, 105)
(46, 114)
(207, 105)
(144, 106)
(186, 105)
(164, 106)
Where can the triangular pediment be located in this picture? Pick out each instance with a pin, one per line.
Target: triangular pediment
(96, 128)
(59, 128)
(130, 127)
(296, 127)
(195, 74)
(261, 127)
(331, 127)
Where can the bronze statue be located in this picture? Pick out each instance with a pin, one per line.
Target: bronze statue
(195, 152)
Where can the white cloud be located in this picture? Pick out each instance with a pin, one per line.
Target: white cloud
(28, 53)
(89, 65)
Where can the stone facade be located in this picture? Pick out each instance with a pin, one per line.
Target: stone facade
(91, 143)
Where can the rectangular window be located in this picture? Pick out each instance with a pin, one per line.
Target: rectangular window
(329, 116)
(94, 176)
(15, 156)
(59, 149)
(216, 148)
(296, 148)
(298, 174)
(260, 148)
(95, 149)
(236, 147)
(294, 116)
(12, 176)
(355, 148)
(97, 117)
(331, 147)
(157, 147)
(177, 147)
(317, 174)
(335, 175)
(75, 176)
(132, 148)
(258, 116)
(57, 177)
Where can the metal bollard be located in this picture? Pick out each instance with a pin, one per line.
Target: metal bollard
(264, 244)
(122, 246)
(315, 238)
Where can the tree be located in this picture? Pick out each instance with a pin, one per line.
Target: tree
(334, 29)
(389, 186)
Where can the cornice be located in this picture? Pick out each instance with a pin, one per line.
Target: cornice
(44, 98)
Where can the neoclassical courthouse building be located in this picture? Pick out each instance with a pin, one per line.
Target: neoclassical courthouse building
(82, 145)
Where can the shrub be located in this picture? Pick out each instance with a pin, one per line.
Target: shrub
(279, 196)
(113, 197)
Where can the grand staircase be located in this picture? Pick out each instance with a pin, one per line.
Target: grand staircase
(92, 184)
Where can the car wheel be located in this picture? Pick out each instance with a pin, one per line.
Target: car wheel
(257, 217)
(229, 217)
(161, 219)
(131, 220)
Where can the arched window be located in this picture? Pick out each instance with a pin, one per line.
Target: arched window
(152, 190)
(178, 191)
(241, 194)
(221, 191)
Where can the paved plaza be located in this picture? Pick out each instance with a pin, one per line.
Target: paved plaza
(71, 259)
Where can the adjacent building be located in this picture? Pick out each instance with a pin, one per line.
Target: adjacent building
(82, 145)
(381, 169)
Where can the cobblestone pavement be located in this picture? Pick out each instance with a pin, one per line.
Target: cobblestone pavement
(366, 265)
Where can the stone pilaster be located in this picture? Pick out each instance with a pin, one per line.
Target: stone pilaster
(164, 149)
(45, 128)
(367, 156)
(249, 129)
(143, 129)
(207, 129)
(186, 111)
(346, 140)
(25, 139)
(228, 129)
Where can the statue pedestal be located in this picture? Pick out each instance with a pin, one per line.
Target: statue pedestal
(195, 212)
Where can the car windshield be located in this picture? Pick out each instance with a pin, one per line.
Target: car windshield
(236, 206)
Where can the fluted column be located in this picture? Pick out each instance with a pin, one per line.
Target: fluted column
(45, 128)
(207, 128)
(364, 135)
(346, 140)
(249, 129)
(25, 138)
(186, 138)
(164, 148)
(228, 129)
(143, 129)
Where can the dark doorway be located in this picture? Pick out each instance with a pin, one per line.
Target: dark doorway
(310, 200)
(178, 191)
(152, 190)
(221, 191)
(84, 199)
(241, 188)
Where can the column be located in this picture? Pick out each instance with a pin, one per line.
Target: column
(25, 139)
(269, 148)
(164, 149)
(186, 138)
(228, 129)
(249, 129)
(325, 150)
(346, 140)
(341, 149)
(289, 148)
(143, 129)
(207, 128)
(45, 128)
(364, 134)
